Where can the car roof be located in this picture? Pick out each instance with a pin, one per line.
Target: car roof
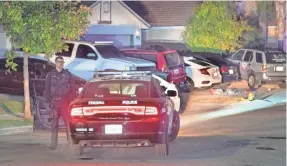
(149, 50)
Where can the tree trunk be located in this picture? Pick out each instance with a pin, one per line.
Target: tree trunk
(27, 110)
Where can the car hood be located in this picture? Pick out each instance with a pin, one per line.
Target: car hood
(134, 61)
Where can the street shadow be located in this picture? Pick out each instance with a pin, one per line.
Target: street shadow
(184, 98)
(8, 111)
(184, 148)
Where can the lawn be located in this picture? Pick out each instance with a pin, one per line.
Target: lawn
(11, 114)
(11, 106)
(4, 123)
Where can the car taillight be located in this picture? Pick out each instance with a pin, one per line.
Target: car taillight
(151, 111)
(137, 110)
(263, 68)
(224, 69)
(204, 71)
(77, 111)
(164, 68)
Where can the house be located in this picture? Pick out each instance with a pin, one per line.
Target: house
(4, 41)
(166, 18)
(132, 23)
(114, 20)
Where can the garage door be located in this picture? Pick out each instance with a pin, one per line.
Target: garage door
(4, 43)
(120, 41)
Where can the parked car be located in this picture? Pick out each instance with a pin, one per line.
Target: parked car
(228, 69)
(201, 73)
(259, 67)
(168, 86)
(82, 58)
(123, 109)
(38, 69)
(166, 60)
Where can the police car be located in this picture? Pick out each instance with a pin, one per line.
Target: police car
(123, 109)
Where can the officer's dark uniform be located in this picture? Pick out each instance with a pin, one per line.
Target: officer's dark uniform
(59, 92)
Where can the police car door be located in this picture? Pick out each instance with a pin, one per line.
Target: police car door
(85, 62)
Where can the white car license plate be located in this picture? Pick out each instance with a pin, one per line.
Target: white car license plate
(279, 68)
(113, 129)
(230, 71)
(176, 71)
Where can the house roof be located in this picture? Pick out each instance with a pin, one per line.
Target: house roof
(164, 13)
(91, 4)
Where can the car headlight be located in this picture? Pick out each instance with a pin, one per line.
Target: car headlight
(130, 68)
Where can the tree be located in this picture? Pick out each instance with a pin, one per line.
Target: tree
(280, 18)
(216, 27)
(40, 27)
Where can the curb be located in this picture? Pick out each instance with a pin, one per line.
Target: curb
(16, 130)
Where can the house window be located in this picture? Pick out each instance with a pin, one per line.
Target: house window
(106, 7)
(105, 14)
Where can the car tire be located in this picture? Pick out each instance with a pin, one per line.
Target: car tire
(282, 85)
(74, 145)
(162, 149)
(175, 126)
(252, 82)
(189, 85)
(77, 150)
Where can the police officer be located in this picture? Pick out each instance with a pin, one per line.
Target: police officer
(59, 92)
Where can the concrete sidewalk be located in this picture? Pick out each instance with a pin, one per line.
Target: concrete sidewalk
(277, 98)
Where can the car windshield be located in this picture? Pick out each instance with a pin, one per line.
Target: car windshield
(109, 51)
(172, 59)
(120, 89)
(274, 58)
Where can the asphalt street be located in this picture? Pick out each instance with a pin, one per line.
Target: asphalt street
(254, 138)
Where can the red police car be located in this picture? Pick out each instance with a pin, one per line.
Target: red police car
(126, 109)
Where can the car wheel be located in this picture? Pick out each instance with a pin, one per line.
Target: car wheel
(77, 150)
(175, 126)
(189, 85)
(74, 145)
(162, 149)
(251, 81)
(282, 85)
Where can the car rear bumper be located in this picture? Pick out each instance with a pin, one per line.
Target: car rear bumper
(149, 130)
(229, 78)
(266, 78)
(206, 81)
(176, 79)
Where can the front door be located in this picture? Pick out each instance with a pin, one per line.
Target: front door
(246, 64)
(84, 66)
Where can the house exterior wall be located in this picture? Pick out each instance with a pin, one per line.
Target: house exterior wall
(4, 41)
(123, 22)
(163, 33)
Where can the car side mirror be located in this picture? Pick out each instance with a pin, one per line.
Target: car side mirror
(91, 55)
(80, 90)
(163, 88)
(171, 93)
